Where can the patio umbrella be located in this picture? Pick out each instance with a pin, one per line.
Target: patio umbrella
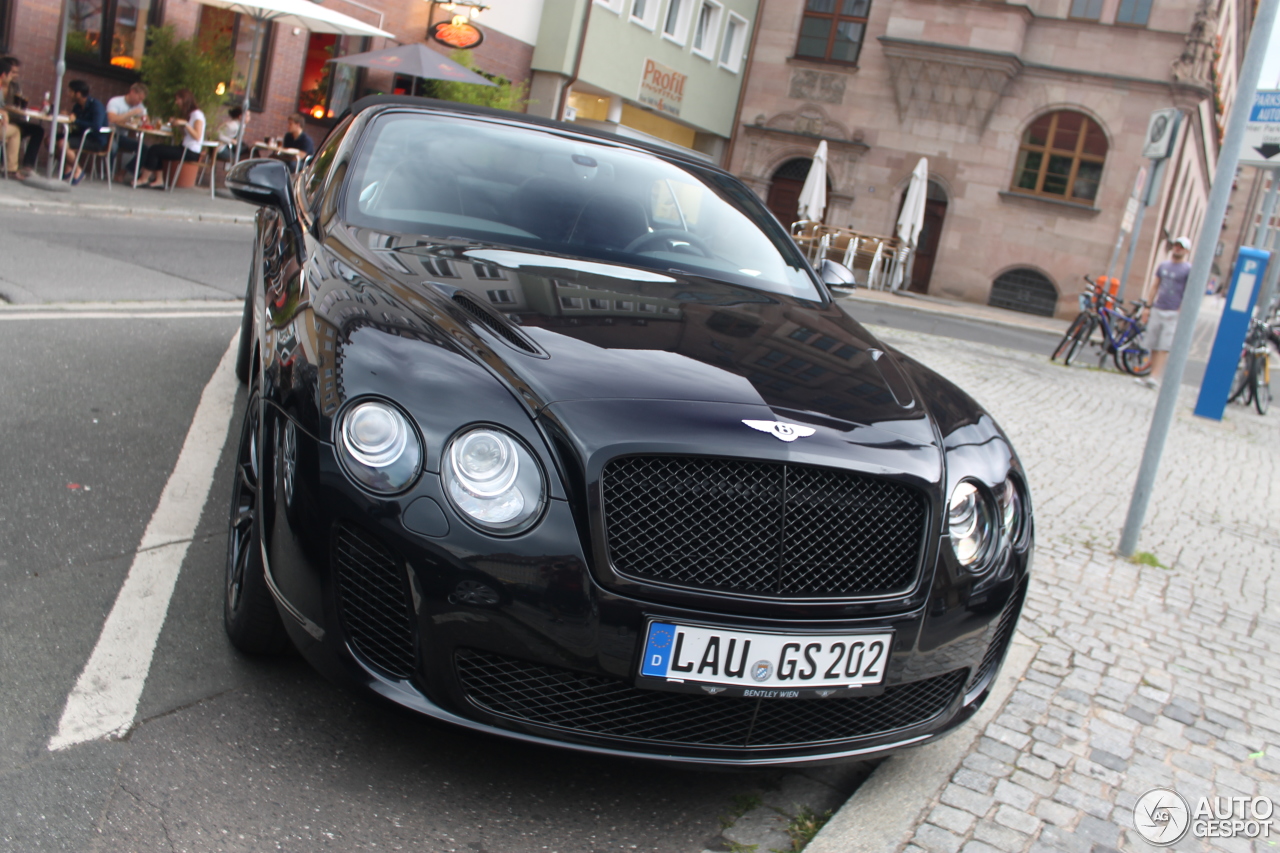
(911, 219)
(415, 60)
(290, 13)
(813, 196)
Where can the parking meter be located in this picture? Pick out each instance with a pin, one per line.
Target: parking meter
(1232, 328)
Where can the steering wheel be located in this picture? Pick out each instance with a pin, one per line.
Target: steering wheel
(675, 239)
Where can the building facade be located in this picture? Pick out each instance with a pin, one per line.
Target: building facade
(1032, 116)
(664, 71)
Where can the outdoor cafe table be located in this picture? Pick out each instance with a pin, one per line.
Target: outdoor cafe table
(64, 121)
(295, 153)
(142, 133)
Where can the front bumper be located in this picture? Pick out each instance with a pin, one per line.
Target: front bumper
(517, 638)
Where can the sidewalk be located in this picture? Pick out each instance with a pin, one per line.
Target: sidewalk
(1133, 675)
(93, 198)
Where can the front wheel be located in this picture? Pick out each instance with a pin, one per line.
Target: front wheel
(1262, 385)
(1080, 338)
(1135, 360)
(1063, 345)
(249, 613)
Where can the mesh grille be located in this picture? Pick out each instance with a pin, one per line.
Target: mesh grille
(1004, 632)
(373, 603)
(761, 527)
(493, 324)
(596, 705)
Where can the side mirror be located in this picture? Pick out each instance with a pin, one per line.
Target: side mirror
(266, 182)
(836, 275)
(262, 182)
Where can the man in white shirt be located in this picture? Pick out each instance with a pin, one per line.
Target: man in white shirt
(129, 110)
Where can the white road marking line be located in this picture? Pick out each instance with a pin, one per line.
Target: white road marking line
(105, 698)
(114, 315)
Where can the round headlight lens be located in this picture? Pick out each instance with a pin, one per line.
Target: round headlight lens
(380, 448)
(493, 480)
(1012, 511)
(971, 524)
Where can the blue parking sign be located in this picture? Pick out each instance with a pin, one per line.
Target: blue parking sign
(1251, 265)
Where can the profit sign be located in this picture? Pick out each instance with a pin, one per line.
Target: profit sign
(662, 87)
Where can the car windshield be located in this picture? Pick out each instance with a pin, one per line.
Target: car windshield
(535, 188)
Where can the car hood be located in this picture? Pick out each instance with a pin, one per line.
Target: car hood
(563, 330)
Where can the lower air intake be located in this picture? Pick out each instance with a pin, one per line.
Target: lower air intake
(373, 602)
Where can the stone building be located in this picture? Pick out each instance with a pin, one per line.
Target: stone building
(1032, 116)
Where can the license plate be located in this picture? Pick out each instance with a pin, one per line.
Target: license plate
(763, 664)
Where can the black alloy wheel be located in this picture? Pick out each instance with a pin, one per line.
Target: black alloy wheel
(249, 613)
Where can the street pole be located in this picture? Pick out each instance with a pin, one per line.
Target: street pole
(1210, 232)
(1137, 225)
(1273, 268)
(1262, 231)
(60, 69)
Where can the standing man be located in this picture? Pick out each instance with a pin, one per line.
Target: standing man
(123, 111)
(1167, 287)
(29, 130)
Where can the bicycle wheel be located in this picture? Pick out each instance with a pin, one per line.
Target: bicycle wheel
(1063, 345)
(1241, 387)
(1261, 384)
(1080, 339)
(1135, 360)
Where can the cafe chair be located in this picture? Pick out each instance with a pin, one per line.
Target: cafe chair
(97, 159)
(209, 163)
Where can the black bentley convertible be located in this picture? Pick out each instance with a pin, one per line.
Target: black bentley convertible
(557, 436)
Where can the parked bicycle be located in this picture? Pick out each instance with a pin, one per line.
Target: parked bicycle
(1252, 382)
(1121, 331)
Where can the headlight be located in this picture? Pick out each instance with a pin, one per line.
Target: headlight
(493, 481)
(378, 446)
(1013, 512)
(971, 523)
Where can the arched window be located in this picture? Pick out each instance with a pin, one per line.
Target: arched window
(1025, 290)
(1061, 156)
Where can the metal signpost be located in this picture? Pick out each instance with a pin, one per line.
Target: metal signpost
(1215, 211)
(1162, 130)
(1232, 328)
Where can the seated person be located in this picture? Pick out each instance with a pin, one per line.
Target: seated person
(88, 118)
(9, 130)
(127, 110)
(297, 140)
(229, 132)
(154, 157)
(31, 131)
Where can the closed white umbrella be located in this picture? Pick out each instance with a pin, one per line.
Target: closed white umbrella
(813, 196)
(911, 220)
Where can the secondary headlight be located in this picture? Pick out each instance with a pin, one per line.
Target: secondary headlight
(1013, 512)
(493, 481)
(379, 447)
(971, 524)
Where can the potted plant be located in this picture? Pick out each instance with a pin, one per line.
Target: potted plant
(203, 64)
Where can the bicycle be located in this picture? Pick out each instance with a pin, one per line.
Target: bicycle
(1252, 382)
(1121, 331)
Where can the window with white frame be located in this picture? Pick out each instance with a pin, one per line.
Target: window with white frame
(706, 28)
(614, 6)
(735, 41)
(675, 25)
(645, 13)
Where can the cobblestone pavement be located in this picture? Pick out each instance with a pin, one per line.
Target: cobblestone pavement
(1146, 676)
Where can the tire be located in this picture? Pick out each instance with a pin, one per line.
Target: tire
(249, 613)
(1261, 385)
(1080, 338)
(1135, 360)
(1063, 345)
(1241, 387)
(244, 352)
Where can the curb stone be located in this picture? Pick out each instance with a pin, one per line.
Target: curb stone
(887, 807)
(66, 208)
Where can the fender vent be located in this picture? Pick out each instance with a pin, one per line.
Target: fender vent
(493, 324)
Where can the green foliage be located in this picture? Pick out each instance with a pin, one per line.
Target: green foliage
(804, 826)
(1146, 558)
(198, 64)
(503, 96)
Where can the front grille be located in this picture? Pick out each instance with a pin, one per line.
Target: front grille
(592, 704)
(1004, 633)
(761, 527)
(373, 602)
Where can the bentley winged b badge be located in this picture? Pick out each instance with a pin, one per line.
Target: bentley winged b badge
(780, 430)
